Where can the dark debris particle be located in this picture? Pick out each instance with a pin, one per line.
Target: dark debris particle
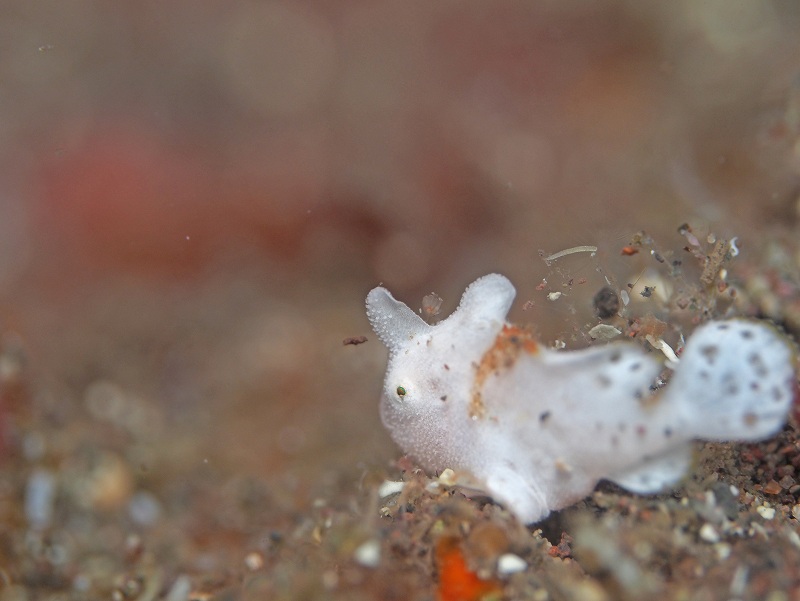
(606, 302)
(544, 416)
(354, 340)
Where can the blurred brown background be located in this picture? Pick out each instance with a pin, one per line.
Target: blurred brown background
(195, 197)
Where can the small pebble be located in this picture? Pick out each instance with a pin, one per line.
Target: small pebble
(132, 588)
(39, 498)
(739, 581)
(766, 512)
(368, 554)
(389, 488)
(709, 534)
(144, 509)
(254, 561)
(723, 551)
(772, 488)
(796, 512)
(107, 485)
(553, 296)
(81, 583)
(447, 477)
(509, 563)
(180, 589)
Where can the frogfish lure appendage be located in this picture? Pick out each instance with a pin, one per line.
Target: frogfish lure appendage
(537, 428)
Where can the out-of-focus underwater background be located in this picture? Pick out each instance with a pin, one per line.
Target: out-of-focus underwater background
(195, 198)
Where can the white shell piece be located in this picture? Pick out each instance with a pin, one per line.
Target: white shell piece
(389, 488)
(368, 554)
(509, 563)
(603, 331)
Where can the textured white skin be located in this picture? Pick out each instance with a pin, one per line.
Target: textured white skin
(557, 422)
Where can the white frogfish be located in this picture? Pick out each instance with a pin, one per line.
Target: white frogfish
(536, 429)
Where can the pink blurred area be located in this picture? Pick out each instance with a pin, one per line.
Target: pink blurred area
(392, 139)
(223, 181)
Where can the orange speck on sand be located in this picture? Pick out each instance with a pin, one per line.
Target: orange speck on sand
(456, 581)
(629, 250)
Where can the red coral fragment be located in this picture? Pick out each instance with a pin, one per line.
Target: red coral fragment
(563, 549)
(456, 581)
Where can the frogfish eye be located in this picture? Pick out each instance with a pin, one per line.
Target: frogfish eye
(401, 391)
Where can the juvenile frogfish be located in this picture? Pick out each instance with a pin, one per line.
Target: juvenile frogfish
(536, 429)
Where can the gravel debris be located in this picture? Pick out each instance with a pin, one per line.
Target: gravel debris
(40, 498)
(509, 563)
(368, 554)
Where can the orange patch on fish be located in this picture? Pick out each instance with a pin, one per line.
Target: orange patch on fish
(511, 342)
